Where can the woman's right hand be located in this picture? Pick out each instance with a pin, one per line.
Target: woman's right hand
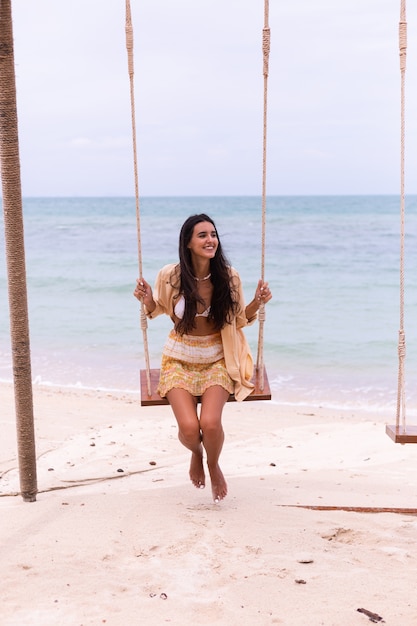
(143, 292)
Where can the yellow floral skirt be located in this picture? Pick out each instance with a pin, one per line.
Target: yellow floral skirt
(194, 363)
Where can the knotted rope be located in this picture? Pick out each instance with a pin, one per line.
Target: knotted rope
(143, 319)
(261, 314)
(401, 403)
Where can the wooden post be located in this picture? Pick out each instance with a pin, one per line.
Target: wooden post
(15, 255)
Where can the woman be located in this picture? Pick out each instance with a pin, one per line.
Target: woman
(206, 354)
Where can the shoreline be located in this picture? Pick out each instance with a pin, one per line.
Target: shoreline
(286, 391)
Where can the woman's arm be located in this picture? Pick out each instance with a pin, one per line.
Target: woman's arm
(262, 294)
(159, 300)
(143, 292)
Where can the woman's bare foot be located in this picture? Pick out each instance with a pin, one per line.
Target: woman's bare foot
(218, 484)
(197, 475)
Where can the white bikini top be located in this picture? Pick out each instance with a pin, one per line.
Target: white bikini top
(179, 309)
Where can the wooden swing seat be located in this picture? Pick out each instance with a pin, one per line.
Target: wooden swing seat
(155, 399)
(398, 434)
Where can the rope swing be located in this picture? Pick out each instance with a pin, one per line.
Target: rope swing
(401, 433)
(143, 319)
(149, 378)
(266, 39)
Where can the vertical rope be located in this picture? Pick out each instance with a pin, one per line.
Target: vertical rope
(401, 402)
(15, 253)
(266, 39)
(143, 320)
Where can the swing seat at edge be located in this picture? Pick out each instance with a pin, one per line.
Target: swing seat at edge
(155, 399)
(402, 435)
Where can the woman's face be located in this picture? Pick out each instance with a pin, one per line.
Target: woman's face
(203, 243)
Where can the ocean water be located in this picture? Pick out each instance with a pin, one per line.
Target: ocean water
(331, 330)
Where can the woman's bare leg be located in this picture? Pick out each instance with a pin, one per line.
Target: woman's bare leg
(212, 403)
(184, 406)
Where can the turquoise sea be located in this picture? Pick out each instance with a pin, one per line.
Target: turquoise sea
(332, 262)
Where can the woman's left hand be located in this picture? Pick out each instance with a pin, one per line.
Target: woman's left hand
(263, 293)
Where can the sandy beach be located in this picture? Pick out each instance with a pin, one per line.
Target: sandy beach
(119, 536)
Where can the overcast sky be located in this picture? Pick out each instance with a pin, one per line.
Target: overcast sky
(333, 102)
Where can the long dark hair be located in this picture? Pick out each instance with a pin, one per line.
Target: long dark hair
(224, 302)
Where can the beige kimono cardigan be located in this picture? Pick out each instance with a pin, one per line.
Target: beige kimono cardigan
(237, 355)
